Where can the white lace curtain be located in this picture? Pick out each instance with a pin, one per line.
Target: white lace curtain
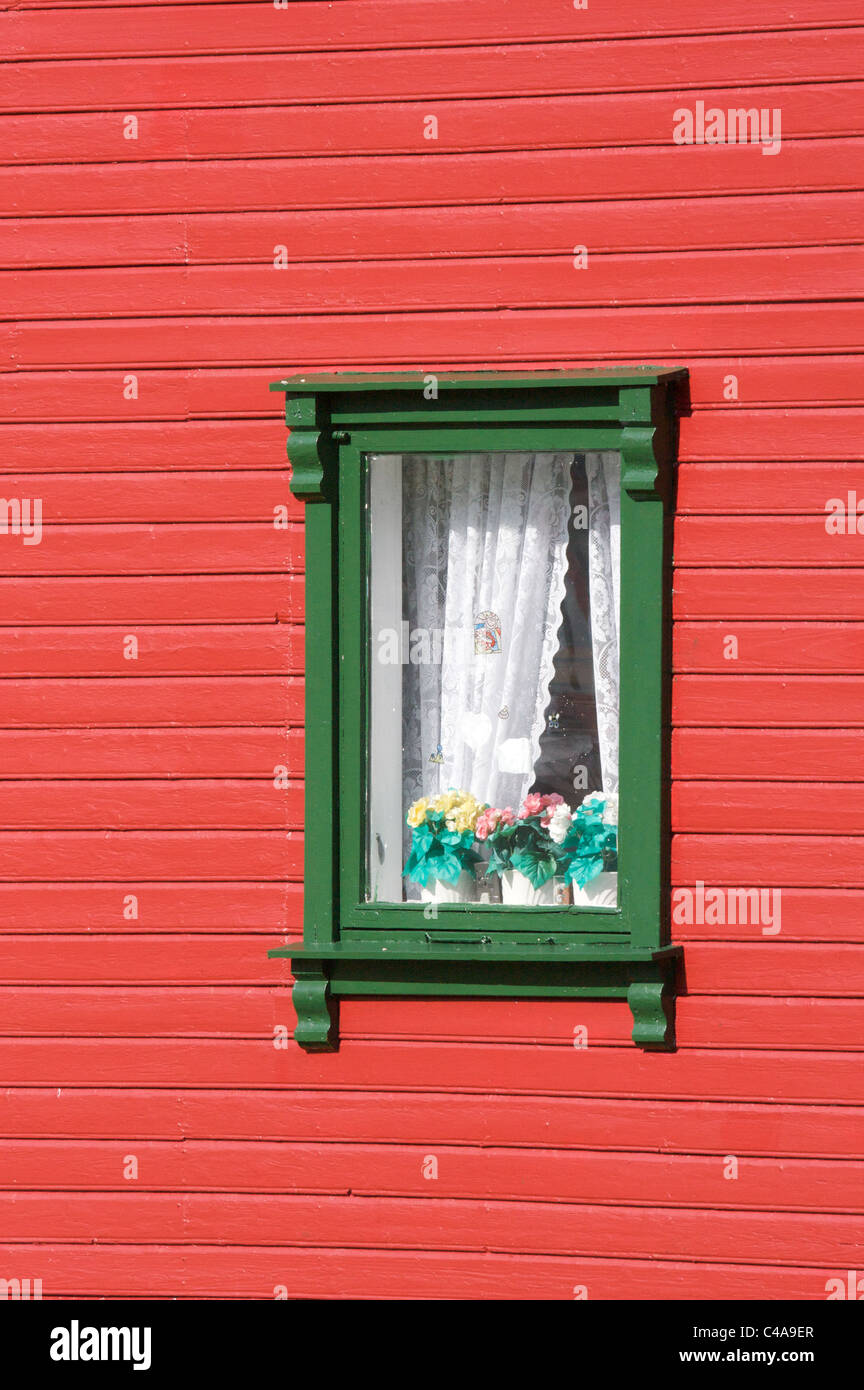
(604, 576)
(485, 560)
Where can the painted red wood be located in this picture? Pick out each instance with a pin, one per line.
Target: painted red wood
(98, 447)
(800, 1024)
(240, 598)
(174, 753)
(136, 497)
(566, 1228)
(558, 1175)
(771, 647)
(159, 855)
(167, 394)
(819, 273)
(83, 702)
(200, 1271)
(218, 186)
(811, 860)
(779, 593)
(524, 70)
(263, 649)
(767, 487)
(173, 906)
(147, 861)
(146, 804)
(743, 1075)
(704, 332)
(64, 31)
(230, 547)
(658, 223)
(769, 701)
(572, 122)
(609, 1124)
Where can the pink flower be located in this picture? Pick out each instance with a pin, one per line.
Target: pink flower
(531, 806)
(550, 803)
(508, 816)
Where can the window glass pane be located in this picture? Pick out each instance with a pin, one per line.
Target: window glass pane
(493, 688)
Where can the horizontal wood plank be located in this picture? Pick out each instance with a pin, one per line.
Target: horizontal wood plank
(656, 223)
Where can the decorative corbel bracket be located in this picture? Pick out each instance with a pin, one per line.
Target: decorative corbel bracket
(645, 441)
(312, 447)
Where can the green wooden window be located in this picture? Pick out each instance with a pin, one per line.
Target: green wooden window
(487, 605)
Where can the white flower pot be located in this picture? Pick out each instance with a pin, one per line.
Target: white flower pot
(517, 889)
(601, 891)
(464, 890)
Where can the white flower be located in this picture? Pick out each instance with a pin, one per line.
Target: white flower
(610, 814)
(559, 824)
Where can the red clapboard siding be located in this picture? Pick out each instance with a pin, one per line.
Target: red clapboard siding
(521, 70)
(811, 110)
(820, 861)
(827, 755)
(65, 32)
(134, 956)
(73, 855)
(150, 599)
(145, 804)
(265, 649)
(208, 444)
(768, 486)
(787, 806)
(419, 233)
(149, 853)
(241, 1011)
(187, 906)
(82, 702)
(403, 1116)
(605, 333)
(675, 1180)
(776, 647)
(386, 128)
(769, 701)
(778, 540)
(162, 395)
(562, 1228)
(690, 1074)
(162, 1271)
(112, 753)
(421, 180)
(137, 497)
(769, 593)
(172, 549)
(818, 273)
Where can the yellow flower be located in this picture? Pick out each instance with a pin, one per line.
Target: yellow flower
(417, 812)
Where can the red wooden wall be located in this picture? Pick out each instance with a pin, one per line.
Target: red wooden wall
(143, 320)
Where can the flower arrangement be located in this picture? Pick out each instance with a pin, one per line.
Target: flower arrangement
(521, 840)
(443, 837)
(588, 837)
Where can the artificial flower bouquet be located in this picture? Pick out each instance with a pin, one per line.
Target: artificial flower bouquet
(442, 843)
(521, 841)
(588, 837)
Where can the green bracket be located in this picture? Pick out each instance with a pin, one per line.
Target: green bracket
(317, 1010)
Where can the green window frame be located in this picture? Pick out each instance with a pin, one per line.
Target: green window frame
(352, 947)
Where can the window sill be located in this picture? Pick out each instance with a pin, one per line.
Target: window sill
(644, 976)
